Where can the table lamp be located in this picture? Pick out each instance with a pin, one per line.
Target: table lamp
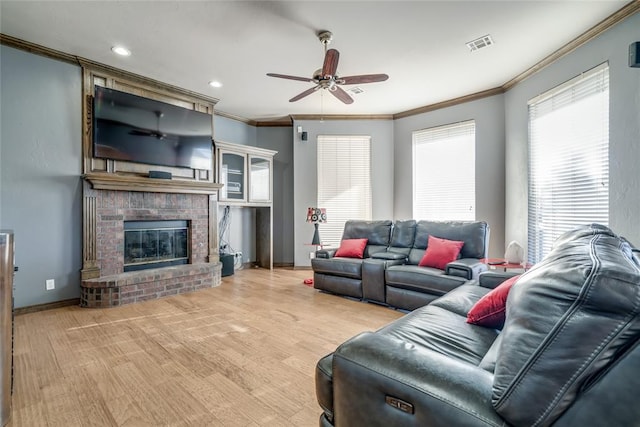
(316, 216)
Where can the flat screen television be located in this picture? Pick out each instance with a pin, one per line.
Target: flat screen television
(132, 128)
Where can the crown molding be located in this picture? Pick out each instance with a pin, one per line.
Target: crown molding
(37, 49)
(276, 122)
(449, 103)
(342, 116)
(607, 23)
(234, 117)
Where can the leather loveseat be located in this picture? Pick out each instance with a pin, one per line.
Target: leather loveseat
(389, 272)
(567, 355)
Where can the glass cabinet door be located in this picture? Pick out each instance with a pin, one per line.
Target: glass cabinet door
(232, 175)
(259, 179)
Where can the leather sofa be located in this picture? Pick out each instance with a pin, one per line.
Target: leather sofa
(389, 272)
(343, 276)
(567, 355)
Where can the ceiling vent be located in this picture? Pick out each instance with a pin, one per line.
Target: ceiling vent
(355, 90)
(479, 43)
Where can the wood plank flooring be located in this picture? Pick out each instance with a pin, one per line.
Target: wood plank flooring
(241, 354)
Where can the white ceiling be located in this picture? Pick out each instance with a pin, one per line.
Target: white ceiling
(419, 44)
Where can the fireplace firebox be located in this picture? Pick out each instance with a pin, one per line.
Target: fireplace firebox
(155, 244)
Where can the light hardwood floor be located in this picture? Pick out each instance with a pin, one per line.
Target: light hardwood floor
(241, 354)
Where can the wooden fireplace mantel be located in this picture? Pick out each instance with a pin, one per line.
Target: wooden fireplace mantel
(111, 181)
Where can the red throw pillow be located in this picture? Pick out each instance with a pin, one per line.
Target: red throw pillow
(490, 310)
(440, 252)
(352, 248)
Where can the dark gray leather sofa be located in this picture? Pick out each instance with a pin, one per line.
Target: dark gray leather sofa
(389, 273)
(568, 354)
(344, 275)
(410, 286)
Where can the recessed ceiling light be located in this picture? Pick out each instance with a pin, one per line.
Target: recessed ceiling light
(121, 50)
(215, 83)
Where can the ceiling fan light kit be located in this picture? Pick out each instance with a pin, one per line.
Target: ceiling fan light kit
(327, 77)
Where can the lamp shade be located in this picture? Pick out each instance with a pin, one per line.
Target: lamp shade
(316, 215)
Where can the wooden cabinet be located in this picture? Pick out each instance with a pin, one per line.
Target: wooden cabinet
(260, 178)
(233, 176)
(6, 324)
(246, 173)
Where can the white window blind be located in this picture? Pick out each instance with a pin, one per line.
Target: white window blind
(444, 172)
(344, 183)
(568, 159)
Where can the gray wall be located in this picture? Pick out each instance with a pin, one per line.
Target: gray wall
(624, 129)
(279, 139)
(488, 114)
(305, 172)
(234, 131)
(41, 164)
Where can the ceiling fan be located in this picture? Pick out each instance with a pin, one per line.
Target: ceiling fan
(326, 77)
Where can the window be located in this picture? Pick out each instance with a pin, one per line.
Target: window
(444, 172)
(568, 159)
(344, 182)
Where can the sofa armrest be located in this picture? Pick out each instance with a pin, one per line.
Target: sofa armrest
(389, 255)
(432, 389)
(326, 253)
(491, 279)
(469, 268)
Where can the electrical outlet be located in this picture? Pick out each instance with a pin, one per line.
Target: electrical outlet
(312, 255)
(51, 284)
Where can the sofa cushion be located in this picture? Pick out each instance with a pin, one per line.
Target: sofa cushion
(568, 320)
(351, 248)
(440, 252)
(402, 236)
(441, 326)
(324, 385)
(378, 234)
(345, 267)
(474, 234)
(421, 279)
(490, 310)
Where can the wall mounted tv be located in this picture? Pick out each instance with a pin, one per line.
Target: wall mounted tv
(142, 130)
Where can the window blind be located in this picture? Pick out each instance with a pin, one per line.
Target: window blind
(444, 172)
(344, 183)
(568, 159)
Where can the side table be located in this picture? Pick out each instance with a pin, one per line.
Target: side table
(494, 263)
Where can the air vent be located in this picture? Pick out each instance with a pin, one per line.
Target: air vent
(479, 43)
(355, 90)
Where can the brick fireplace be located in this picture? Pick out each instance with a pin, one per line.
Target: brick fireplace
(109, 202)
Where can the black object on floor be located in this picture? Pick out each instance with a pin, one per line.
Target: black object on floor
(227, 265)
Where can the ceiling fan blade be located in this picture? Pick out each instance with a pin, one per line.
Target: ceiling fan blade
(330, 62)
(365, 78)
(341, 95)
(305, 93)
(284, 76)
